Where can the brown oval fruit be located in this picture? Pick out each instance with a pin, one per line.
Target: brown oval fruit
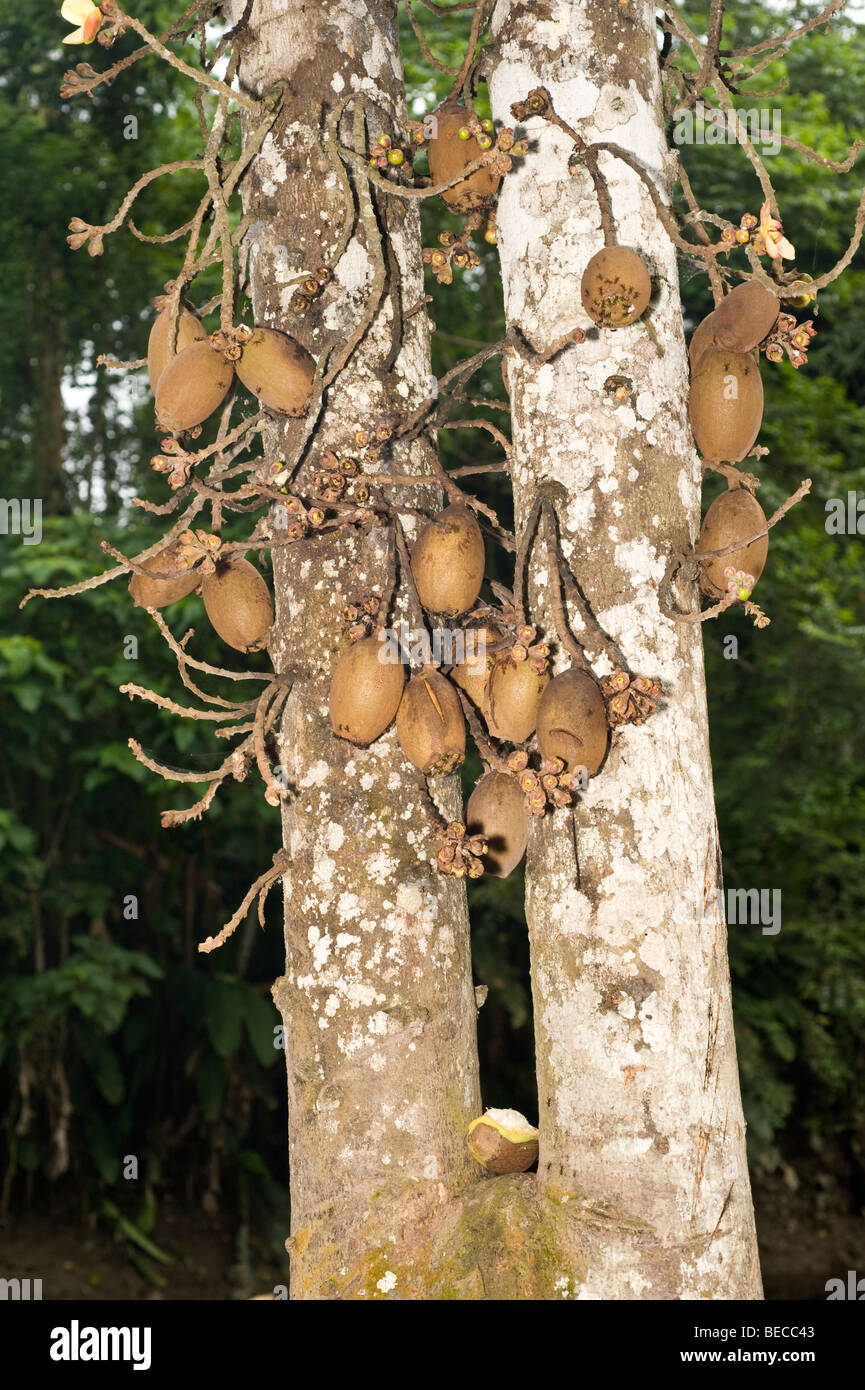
(725, 406)
(430, 724)
(496, 809)
(572, 721)
(238, 604)
(503, 1141)
(449, 155)
(193, 385)
(447, 562)
(513, 695)
(189, 330)
(733, 516)
(745, 316)
(616, 287)
(277, 370)
(472, 674)
(702, 337)
(365, 692)
(158, 593)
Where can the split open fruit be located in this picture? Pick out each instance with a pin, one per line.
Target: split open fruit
(503, 1141)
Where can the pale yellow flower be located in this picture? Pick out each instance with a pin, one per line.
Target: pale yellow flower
(775, 244)
(87, 18)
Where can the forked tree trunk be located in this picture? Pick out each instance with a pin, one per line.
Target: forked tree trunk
(642, 1133)
(377, 996)
(642, 1189)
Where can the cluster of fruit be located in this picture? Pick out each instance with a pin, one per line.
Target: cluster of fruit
(510, 687)
(725, 409)
(191, 382)
(190, 378)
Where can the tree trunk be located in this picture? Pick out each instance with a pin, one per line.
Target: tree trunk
(642, 1134)
(377, 996)
(642, 1188)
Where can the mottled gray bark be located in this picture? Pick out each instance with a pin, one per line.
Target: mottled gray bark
(377, 995)
(642, 1190)
(642, 1134)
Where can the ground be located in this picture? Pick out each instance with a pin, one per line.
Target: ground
(806, 1237)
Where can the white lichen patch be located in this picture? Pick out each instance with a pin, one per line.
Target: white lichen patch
(348, 908)
(316, 774)
(334, 836)
(319, 945)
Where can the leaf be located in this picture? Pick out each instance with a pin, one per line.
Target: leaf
(261, 1017)
(103, 1065)
(28, 695)
(131, 1232)
(224, 1016)
(210, 1084)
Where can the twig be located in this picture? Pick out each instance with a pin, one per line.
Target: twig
(260, 888)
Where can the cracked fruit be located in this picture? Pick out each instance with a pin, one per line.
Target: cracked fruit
(503, 1141)
(572, 722)
(430, 725)
(473, 673)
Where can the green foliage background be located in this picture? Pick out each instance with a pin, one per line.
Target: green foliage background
(116, 1037)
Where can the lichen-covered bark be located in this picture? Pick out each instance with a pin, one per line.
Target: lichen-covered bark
(642, 1134)
(377, 995)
